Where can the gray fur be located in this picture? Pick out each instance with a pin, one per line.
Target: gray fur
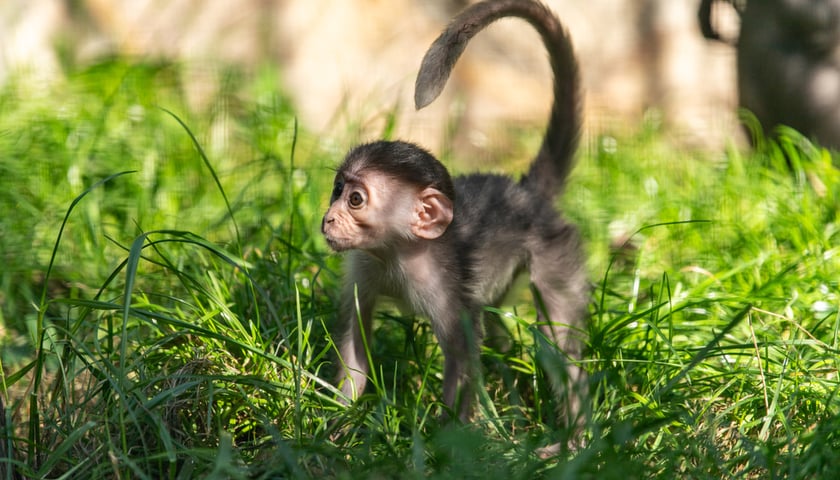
(500, 228)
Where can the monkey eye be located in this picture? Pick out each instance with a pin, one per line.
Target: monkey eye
(356, 199)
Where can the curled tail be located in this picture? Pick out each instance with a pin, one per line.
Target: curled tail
(554, 160)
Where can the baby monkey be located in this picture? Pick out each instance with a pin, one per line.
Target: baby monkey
(447, 248)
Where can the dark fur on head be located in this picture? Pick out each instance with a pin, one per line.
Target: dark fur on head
(403, 161)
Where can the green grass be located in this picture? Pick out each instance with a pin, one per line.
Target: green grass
(166, 298)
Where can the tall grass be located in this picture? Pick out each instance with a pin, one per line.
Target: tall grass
(166, 302)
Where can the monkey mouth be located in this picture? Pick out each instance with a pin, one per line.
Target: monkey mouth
(337, 244)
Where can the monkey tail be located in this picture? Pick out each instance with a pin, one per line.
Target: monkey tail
(555, 158)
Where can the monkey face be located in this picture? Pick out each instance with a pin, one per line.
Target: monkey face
(367, 212)
(370, 210)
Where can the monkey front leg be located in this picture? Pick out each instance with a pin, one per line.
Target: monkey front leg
(354, 335)
(360, 290)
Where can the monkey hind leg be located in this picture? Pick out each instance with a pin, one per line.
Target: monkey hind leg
(561, 292)
(460, 339)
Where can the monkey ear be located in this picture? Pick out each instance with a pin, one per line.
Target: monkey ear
(434, 213)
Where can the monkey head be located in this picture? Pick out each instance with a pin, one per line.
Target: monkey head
(387, 194)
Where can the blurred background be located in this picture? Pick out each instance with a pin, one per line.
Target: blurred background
(345, 62)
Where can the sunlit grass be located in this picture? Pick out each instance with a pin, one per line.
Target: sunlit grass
(166, 300)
